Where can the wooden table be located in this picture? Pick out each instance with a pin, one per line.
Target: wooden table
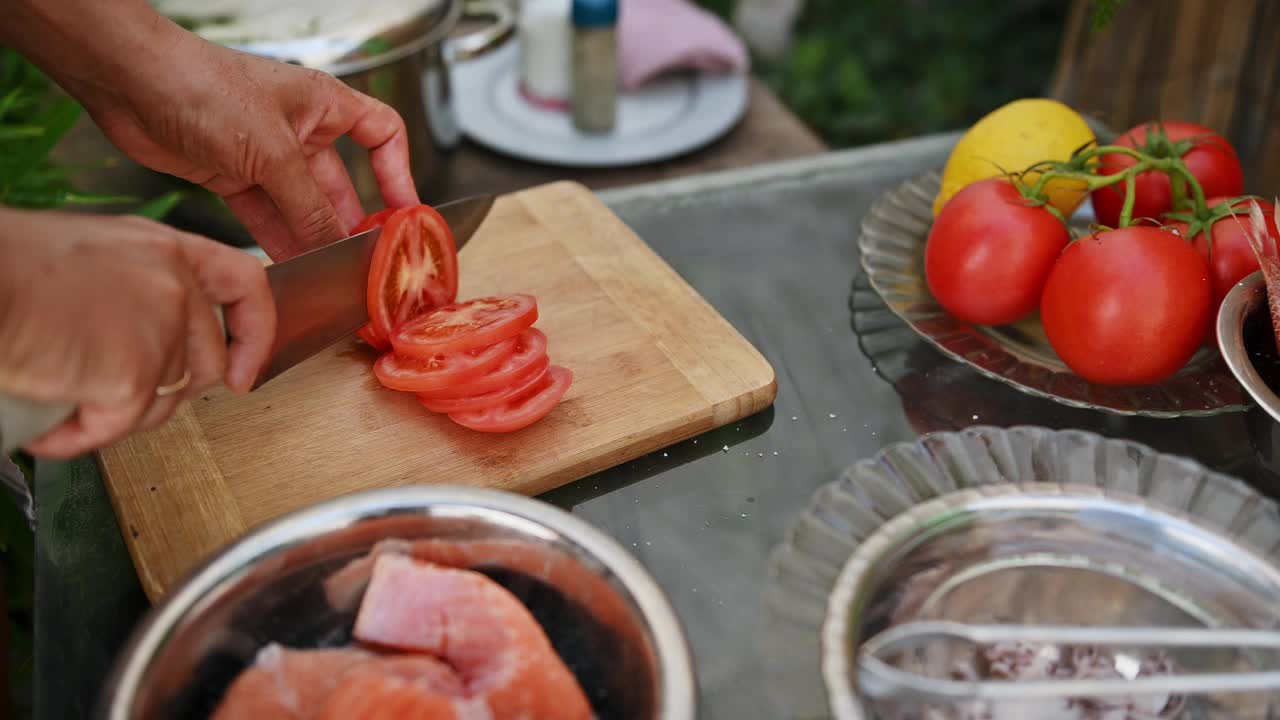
(768, 132)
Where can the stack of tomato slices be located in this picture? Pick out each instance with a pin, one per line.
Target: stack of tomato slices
(481, 362)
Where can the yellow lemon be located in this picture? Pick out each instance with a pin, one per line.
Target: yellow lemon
(1011, 139)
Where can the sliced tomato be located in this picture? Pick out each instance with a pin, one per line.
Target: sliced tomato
(367, 333)
(442, 371)
(489, 399)
(377, 219)
(414, 269)
(524, 410)
(373, 339)
(466, 325)
(530, 353)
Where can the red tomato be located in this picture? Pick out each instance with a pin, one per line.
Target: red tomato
(466, 325)
(530, 354)
(377, 219)
(989, 252)
(367, 333)
(1127, 306)
(521, 411)
(489, 399)
(1226, 245)
(414, 269)
(1212, 161)
(441, 371)
(373, 339)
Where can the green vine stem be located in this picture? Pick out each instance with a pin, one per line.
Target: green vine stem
(1082, 169)
(1130, 192)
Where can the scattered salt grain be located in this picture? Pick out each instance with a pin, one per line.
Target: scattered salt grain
(831, 415)
(724, 449)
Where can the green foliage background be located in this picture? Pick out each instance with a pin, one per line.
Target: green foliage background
(864, 71)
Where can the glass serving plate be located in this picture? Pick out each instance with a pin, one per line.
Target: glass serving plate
(804, 568)
(892, 251)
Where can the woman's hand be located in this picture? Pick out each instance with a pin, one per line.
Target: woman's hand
(100, 312)
(257, 132)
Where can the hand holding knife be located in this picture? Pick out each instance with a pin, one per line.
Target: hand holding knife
(320, 298)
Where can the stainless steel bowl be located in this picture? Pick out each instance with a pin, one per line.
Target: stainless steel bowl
(603, 612)
(1240, 306)
(1044, 554)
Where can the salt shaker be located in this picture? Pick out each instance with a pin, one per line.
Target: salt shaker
(545, 59)
(595, 65)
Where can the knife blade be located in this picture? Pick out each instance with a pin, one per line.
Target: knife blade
(320, 298)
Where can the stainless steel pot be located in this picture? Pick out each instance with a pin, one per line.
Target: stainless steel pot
(603, 612)
(399, 52)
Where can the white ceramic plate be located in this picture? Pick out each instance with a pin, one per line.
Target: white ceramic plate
(669, 117)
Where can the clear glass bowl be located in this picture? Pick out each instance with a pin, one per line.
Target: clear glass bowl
(804, 568)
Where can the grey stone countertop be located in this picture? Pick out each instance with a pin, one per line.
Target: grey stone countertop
(773, 248)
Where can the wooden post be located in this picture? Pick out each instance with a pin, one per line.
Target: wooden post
(1214, 62)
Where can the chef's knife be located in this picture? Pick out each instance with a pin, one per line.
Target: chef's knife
(320, 298)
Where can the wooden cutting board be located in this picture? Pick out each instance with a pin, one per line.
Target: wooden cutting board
(653, 365)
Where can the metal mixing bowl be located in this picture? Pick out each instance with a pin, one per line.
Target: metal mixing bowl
(602, 611)
(1246, 304)
(1051, 555)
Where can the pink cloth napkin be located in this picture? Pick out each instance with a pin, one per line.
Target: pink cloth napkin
(660, 36)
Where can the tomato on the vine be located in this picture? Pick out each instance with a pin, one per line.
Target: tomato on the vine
(1127, 306)
(989, 253)
(1225, 243)
(1208, 156)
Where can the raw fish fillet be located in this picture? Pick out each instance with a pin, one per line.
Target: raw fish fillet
(288, 684)
(403, 688)
(476, 626)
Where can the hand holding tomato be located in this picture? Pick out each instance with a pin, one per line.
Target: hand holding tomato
(257, 132)
(101, 311)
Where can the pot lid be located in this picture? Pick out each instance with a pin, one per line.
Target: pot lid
(336, 36)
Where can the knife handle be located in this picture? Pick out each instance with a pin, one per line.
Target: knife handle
(23, 420)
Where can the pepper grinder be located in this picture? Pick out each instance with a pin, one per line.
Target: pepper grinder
(595, 65)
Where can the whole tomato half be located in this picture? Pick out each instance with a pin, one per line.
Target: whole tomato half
(1225, 244)
(1209, 158)
(1127, 306)
(989, 252)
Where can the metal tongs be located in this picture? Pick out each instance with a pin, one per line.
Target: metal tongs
(879, 680)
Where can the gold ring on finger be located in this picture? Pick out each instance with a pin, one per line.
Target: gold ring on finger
(175, 387)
